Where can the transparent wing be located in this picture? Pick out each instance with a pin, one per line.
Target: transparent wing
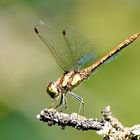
(54, 41)
(69, 48)
(82, 51)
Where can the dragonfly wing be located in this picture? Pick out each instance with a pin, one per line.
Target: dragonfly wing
(69, 48)
(55, 42)
(81, 50)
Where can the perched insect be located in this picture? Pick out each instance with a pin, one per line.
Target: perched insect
(72, 53)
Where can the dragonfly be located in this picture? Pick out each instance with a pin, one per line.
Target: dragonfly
(73, 54)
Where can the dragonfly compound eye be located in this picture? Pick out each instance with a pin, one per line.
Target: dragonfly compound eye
(52, 90)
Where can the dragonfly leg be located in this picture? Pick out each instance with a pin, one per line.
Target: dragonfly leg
(53, 104)
(60, 103)
(81, 102)
(63, 103)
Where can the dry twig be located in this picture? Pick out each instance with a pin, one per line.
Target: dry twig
(108, 127)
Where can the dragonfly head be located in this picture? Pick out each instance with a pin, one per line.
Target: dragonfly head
(52, 90)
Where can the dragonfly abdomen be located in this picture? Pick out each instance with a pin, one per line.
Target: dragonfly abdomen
(86, 72)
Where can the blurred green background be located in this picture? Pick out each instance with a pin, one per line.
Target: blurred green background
(26, 66)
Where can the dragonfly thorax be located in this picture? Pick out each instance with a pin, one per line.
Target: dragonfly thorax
(68, 81)
(52, 90)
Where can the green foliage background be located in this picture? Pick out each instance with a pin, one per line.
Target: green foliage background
(26, 67)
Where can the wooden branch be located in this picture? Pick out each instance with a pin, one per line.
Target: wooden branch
(108, 127)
